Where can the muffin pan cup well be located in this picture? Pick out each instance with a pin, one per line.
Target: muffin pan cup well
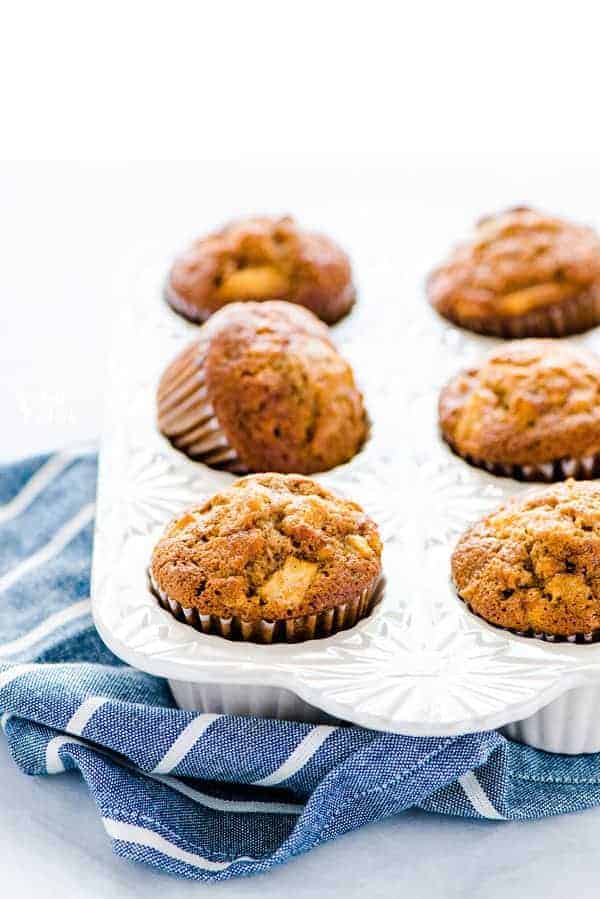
(420, 663)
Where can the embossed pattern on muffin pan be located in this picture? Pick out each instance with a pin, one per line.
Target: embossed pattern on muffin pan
(421, 664)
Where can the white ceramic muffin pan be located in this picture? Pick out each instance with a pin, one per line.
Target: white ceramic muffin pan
(422, 664)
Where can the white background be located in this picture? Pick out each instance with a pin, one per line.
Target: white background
(392, 130)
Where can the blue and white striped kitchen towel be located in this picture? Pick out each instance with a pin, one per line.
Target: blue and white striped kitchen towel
(204, 796)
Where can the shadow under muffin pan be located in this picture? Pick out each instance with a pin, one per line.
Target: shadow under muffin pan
(420, 664)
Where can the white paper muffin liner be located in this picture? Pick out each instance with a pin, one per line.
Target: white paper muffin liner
(289, 630)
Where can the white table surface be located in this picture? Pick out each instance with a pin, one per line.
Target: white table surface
(72, 237)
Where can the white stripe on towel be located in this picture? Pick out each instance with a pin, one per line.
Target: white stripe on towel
(228, 805)
(54, 763)
(299, 757)
(52, 548)
(46, 627)
(80, 718)
(13, 673)
(34, 486)
(141, 836)
(184, 742)
(478, 797)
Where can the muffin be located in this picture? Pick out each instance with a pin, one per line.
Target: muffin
(530, 410)
(261, 259)
(263, 388)
(534, 565)
(524, 274)
(273, 558)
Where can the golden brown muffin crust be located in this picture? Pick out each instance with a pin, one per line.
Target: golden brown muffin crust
(258, 259)
(282, 393)
(529, 402)
(535, 563)
(270, 547)
(518, 261)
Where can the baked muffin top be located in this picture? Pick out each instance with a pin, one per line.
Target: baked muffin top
(283, 395)
(535, 563)
(529, 402)
(518, 261)
(269, 547)
(262, 258)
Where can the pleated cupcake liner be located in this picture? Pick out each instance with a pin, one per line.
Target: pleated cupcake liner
(573, 316)
(186, 415)
(284, 630)
(579, 638)
(583, 469)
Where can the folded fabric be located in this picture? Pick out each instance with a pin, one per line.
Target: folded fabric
(207, 796)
